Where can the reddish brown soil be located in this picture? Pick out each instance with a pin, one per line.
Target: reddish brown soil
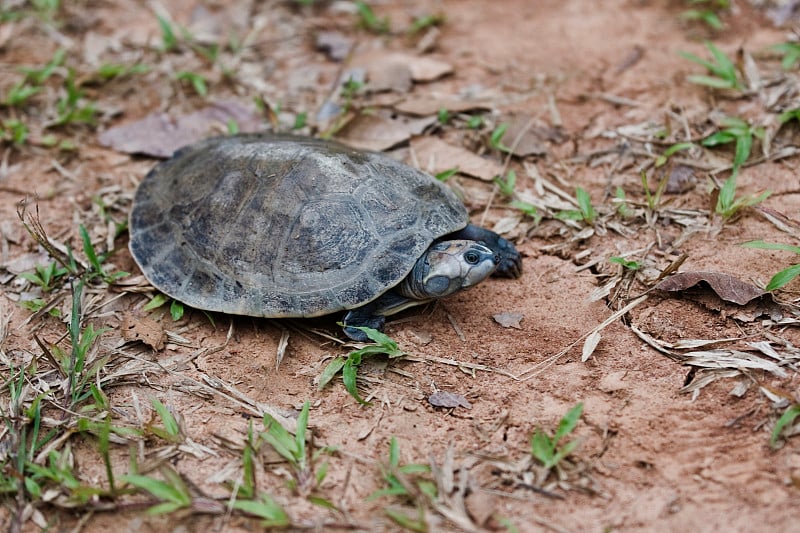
(651, 457)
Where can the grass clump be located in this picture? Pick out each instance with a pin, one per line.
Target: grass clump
(348, 366)
(408, 482)
(307, 474)
(546, 449)
(706, 11)
(728, 204)
(790, 51)
(786, 420)
(723, 72)
(368, 20)
(585, 212)
(738, 131)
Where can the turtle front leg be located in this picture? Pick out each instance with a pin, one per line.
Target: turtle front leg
(373, 314)
(510, 264)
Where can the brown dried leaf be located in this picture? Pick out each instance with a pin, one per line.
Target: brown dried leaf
(422, 105)
(681, 179)
(425, 69)
(727, 287)
(144, 329)
(420, 69)
(159, 135)
(527, 136)
(389, 75)
(481, 506)
(435, 155)
(334, 44)
(377, 133)
(449, 400)
(509, 319)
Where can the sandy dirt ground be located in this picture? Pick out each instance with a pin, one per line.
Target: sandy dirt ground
(672, 437)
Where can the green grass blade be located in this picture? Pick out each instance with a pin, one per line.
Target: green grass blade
(349, 372)
(782, 278)
(725, 66)
(542, 447)
(710, 81)
(88, 249)
(726, 195)
(167, 419)
(568, 422)
(721, 137)
(742, 152)
(699, 60)
(300, 434)
(280, 439)
(330, 371)
(266, 508)
(585, 203)
(786, 419)
(160, 489)
(771, 246)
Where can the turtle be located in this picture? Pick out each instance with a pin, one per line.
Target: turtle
(277, 226)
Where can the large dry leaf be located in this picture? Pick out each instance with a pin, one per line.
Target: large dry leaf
(143, 329)
(435, 155)
(420, 69)
(378, 133)
(428, 105)
(159, 134)
(334, 44)
(389, 76)
(526, 135)
(727, 287)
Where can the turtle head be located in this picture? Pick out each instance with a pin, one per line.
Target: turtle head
(447, 267)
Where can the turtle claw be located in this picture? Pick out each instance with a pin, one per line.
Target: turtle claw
(510, 263)
(352, 321)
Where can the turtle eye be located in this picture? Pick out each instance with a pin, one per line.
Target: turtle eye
(472, 258)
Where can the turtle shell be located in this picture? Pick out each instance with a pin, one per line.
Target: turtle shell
(284, 226)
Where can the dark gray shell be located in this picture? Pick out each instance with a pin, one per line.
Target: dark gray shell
(282, 226)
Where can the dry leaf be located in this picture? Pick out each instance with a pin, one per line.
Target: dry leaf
(527, 136)
(590, 345)
(425, 69)
(681, 179)
(143, 329)
(727, 287)
(377, 133)
(481, 506)
(428, 105)
(159, 135)
(334, 44)
(435, 155)
(449, 400)
(509, 320)
(420, 69)
(389, 76)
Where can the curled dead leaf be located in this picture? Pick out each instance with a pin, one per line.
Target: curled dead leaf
(449, 400)
(159, 134)
(435, 155)
(334, 44)
(509, 319)
(428, 105)
(379, 133)
(727, 287)
(144, 329)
